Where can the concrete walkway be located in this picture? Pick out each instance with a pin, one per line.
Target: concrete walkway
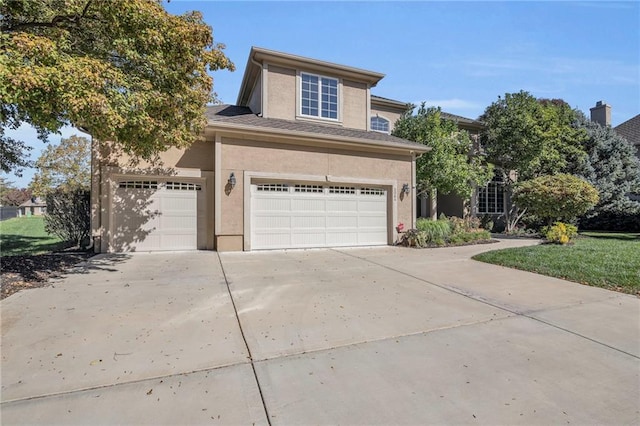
(347, 336)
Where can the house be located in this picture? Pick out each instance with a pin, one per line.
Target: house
(304, 159)
(630, 130)
(32, 207)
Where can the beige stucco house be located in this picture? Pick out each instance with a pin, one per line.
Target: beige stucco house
(32, 207)
(304, 159)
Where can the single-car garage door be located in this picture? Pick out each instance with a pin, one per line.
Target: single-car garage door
(150, 215)
(298, 215)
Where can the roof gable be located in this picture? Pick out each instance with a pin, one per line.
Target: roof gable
(259, 56)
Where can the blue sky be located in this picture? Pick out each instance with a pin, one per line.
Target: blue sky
(458, 55)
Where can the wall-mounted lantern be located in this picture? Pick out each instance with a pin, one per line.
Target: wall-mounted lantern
(406, 189)
(232, 180)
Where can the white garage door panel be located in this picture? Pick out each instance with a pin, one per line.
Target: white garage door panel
(299, 216)
(164, 217)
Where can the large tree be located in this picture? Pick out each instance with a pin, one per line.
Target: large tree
(449, 166)
(527, 137)
(530, 136)
(63, 166)
(122, 70)
(613, 168)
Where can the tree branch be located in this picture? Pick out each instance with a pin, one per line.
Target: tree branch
(55, 22)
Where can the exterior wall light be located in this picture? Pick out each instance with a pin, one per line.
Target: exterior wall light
(232, 180)
(406, 189)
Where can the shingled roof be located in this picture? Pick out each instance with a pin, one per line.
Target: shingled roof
(630, 130)
(240, 117)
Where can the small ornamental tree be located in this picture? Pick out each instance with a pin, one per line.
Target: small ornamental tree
(68, 215)
(556, 197)
(448, 167)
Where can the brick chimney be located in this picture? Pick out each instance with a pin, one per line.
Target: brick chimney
(601, 113)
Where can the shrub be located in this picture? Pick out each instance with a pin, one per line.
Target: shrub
(559, 233)
(68, 215)
(556, 197)
(470, 237)
(452, 231)
(486, 222)
(435, 230)
(617, 216)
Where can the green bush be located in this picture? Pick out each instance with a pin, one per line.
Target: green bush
(617, 216)
(556, 197)
(68, 215)
(469, 237)
(559, 233)
(451, 231)
(486, 222)
(435, 230)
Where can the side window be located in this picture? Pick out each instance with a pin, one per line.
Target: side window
(379, 124)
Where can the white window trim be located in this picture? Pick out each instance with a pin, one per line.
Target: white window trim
(319, 117)
(388, 132)
(495, 185)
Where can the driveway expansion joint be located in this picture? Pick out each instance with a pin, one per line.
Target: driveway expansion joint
(244, 338)
(115, 385)
(382, 339)
(492, 304)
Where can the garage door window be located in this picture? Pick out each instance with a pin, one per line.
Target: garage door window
(273, 187)
(139, 184)
(182, 186)
(373, 191)
(342, 190)
(309, 188)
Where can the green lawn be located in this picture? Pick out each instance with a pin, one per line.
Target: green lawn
(26, 235)
(609, 260)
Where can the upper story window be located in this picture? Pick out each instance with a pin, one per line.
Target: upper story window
(319, 96)
(379, 124)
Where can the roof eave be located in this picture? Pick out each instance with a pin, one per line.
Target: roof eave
(299, 135)
(389, 102)
(280, 58)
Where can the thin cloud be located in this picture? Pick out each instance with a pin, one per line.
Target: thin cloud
(575, 70)
(454, 103)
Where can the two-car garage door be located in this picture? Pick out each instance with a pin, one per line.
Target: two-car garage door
(312, 215)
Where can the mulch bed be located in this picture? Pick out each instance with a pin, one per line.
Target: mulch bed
(33, 271)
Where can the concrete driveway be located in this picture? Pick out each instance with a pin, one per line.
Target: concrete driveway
(349, 336)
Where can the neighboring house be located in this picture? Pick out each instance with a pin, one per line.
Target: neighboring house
(32, 207)
(305, 159)
(630, 130)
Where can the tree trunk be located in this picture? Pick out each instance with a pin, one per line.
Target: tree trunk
(433, 204)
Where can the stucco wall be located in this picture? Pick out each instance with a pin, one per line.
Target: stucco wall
(108, 163)
(255, 103)
(239, 156)
(281, 93)
(354, 105)
(280, 161)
